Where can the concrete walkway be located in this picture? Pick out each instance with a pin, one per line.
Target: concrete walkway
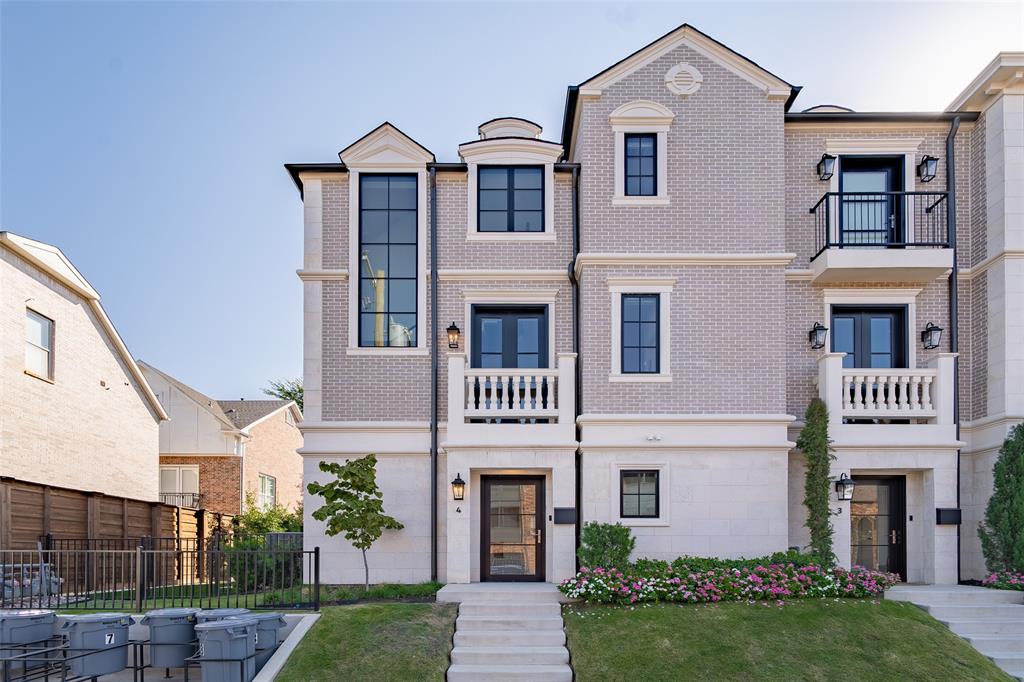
(991, 620)
(511, 632)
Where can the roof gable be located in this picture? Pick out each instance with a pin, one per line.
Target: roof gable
(385, 147)
(246, 413)
(687, 35)
(203, 401)
(52, 261)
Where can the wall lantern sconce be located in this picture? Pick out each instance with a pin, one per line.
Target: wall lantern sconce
(844, 488)
(931, 336)
(458, 488)
(826, 167)
(927, 168)
(816, 336)
(453, 335)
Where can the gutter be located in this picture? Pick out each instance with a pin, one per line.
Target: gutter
(574, 282)
(433, 374)
(954, 301)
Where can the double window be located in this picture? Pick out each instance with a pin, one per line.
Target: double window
(38, 345)
(638, 494)
(267, 498)
(640, 333)
(641, 164)
(387, 260)
(510, 199)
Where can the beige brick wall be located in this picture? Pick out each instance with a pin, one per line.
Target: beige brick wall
(75, 432)
(272, 451)
(220, 480)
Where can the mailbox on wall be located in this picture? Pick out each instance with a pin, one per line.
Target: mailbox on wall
(947, 516)
(565, 514)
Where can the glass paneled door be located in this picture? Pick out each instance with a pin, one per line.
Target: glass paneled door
(512, 528)
(510, 337)
(871, 213)
(873, 338)
(878, 526)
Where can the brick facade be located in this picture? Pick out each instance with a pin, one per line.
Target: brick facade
(220, 481)
(273, 451)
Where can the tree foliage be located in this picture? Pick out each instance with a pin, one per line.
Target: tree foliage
(256, 521)
(353, 505)
(286, 389)
(817, 448)
(1002, 532)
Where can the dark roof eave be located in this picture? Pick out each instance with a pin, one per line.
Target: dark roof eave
(877, 116)
(295, 169)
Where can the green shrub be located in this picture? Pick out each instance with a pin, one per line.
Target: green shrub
(817, 448)
(605, 544)
(1002, 533)
(650, 567)
(698, 564)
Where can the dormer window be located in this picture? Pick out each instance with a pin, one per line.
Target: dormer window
(511, 199)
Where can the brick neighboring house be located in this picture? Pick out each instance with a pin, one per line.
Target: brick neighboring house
(214, 452)
(642, 309)
(75, 409)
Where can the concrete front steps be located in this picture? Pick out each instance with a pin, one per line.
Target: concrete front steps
(991, 620)
(508, 632)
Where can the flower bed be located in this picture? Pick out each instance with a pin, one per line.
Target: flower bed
(1005, 580)
(777, 581)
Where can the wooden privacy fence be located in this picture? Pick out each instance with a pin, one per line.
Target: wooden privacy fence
(30, 511)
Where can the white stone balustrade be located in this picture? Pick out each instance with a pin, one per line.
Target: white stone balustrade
(923, 395)
(524, 405)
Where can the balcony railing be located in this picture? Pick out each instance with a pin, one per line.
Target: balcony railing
(521, 403)
(921, 395)
(190, 500)
(880, 220)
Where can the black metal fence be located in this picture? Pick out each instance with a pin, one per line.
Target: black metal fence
(881, 220)
(140, 579)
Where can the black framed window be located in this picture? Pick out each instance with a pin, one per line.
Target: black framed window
(641, 336)
(638, 497)
(388, 260)
(641, 164)
(510, 199)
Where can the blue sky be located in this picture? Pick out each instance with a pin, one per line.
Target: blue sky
(147, 139)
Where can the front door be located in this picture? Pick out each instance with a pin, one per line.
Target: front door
(878, 526)
(871, 214)
(512, 535)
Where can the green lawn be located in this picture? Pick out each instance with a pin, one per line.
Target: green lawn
(386, 642)
(802, 640)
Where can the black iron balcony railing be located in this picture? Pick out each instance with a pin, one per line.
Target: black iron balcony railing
(190, 500)
(880, 220)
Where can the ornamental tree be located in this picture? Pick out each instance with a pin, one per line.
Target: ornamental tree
(817, 449)
(353, 505)
(1002, 532)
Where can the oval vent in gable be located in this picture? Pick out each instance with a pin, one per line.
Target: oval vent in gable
(683, 79)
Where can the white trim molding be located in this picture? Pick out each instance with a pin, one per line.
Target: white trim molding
(641, 116)
(519, 151)
(454, 275)
(545, 297)
(617, 286)
(675, 259)
(339, 275)
(888, 296)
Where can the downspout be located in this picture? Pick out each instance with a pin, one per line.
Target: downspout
(954, 320)
(576, 347)
(433, 374)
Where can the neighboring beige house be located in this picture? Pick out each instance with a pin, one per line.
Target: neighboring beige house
(75, 409)
(641, 310)
(214, 452)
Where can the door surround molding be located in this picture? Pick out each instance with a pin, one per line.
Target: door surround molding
(540, 481)
(511, 297)
(877, 297)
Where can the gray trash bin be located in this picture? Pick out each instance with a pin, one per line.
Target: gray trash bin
(206, 615)
(172, 636)
(20, 627)
(102, 638)
(227, 649)
(267, 626)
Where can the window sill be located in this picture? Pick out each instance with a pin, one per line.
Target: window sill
(510, 236)
(390, 352)
(640, 378)
(640, 201)
(644, 523)
(41, 378)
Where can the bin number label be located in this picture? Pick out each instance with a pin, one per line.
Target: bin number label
(256, 638)
(108, 637)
